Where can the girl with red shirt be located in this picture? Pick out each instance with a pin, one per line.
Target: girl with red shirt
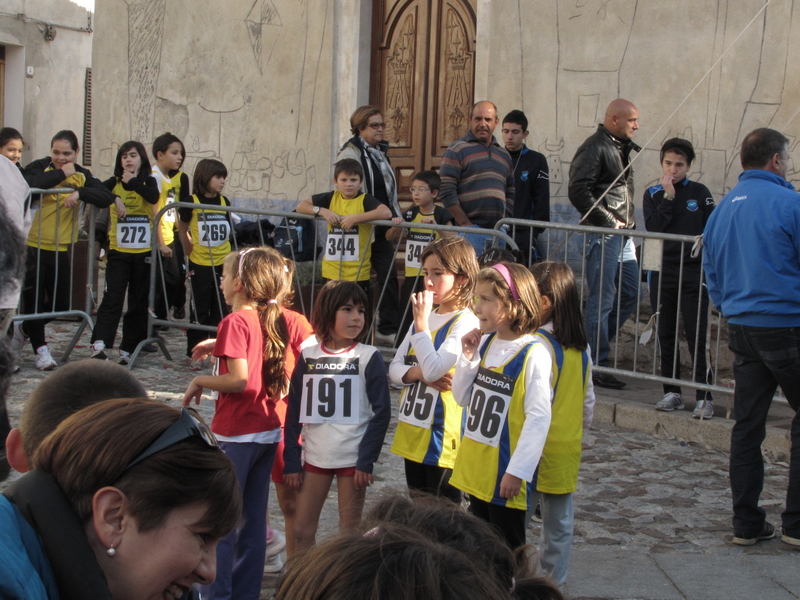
(251, 346)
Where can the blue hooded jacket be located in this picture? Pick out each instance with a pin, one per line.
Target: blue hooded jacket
(752, 252)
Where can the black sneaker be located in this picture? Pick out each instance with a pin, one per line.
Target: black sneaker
(149, 348)
(179, 313)
(537, 514)
(767, 533)
(608, 381)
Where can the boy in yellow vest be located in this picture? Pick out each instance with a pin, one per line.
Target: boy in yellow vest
(348, 246)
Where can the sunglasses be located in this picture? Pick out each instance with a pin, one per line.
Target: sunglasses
(190, 424)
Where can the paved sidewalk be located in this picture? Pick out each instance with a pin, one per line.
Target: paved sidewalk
(652, 512)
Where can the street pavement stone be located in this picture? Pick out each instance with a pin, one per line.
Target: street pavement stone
(652, 511)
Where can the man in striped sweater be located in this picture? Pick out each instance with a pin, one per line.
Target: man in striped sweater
(477, 177)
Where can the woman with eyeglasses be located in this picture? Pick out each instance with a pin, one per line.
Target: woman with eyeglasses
(369, 148)
(128, 502)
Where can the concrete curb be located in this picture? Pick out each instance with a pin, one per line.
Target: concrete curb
(714, 433)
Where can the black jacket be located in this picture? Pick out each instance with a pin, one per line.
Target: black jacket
(92, 192)
(687, 214)
(596, 164)
(532, 187)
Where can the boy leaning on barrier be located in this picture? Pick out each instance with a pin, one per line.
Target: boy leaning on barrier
(346, 209)
(680, 206)
(424, 192)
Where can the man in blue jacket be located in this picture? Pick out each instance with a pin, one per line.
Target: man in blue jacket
(752, 265)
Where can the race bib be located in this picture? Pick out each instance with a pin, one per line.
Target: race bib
(342, 245)
(418, 401)
(169, 216)
(415, 245)
(133, 232)
(330, 391)
(214, 229)
(488, 406)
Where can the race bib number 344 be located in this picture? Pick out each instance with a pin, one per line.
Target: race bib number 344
(488, 407)
(415, 245)
(342, 244)
(330, 391)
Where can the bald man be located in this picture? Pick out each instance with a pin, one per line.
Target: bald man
(477, 177)
(598, 170)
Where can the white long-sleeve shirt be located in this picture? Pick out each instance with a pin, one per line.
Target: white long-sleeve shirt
(537, 375)
(434, 364)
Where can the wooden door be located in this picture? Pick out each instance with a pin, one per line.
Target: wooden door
(2, 84)
(423, 66)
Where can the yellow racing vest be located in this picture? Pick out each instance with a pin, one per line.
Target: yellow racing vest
(132, 233)
(55, 226)
(561, 456)
(493, 424)
(429, 422)
(210, 231)
(347, 253)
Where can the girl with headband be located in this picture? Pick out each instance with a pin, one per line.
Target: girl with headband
(503, 376)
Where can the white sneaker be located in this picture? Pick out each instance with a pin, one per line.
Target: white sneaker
(703, 410)
(124, 357)
(276, 542)
(44, 362)
(17, 339)
(99, 350)
(273, 564)
(671, 401)
(385, 339)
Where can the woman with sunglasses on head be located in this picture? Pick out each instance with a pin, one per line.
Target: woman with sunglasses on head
(129, 500)
(368, 147)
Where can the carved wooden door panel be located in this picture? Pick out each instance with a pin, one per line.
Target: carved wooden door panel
(423, 66)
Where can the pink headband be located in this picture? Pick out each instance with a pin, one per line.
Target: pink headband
(503, 270)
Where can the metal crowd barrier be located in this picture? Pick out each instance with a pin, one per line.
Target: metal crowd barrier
(568, 243)
(383, 279)
(29, 313)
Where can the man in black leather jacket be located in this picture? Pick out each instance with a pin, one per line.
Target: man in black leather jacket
(598, 171)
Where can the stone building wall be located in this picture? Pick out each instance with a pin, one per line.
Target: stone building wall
(53, 98)
(267, 86)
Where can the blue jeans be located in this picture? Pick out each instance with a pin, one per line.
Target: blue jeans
(241, 553)
(555, 539)
(613, 291)
(480, 241)
(765, 358)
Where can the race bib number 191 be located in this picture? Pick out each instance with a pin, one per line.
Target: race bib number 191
(330, 391)
(488, 407)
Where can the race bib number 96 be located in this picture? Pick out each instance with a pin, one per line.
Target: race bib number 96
(133, 232)
(488, 407)
(342, 245)
(214, 229)
(330, 391)
(419, 401)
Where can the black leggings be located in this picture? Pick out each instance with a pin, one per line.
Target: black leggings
(431, 479)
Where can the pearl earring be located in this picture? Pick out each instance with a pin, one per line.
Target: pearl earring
(111, 551)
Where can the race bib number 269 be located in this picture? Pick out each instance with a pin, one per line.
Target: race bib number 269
(330, 391)
(488, 407)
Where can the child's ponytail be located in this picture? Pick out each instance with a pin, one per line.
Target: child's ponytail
(261, 273)
(556, 281)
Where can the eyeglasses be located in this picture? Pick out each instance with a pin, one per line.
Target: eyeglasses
(190, 424)
(377, 125)
(416, 189)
